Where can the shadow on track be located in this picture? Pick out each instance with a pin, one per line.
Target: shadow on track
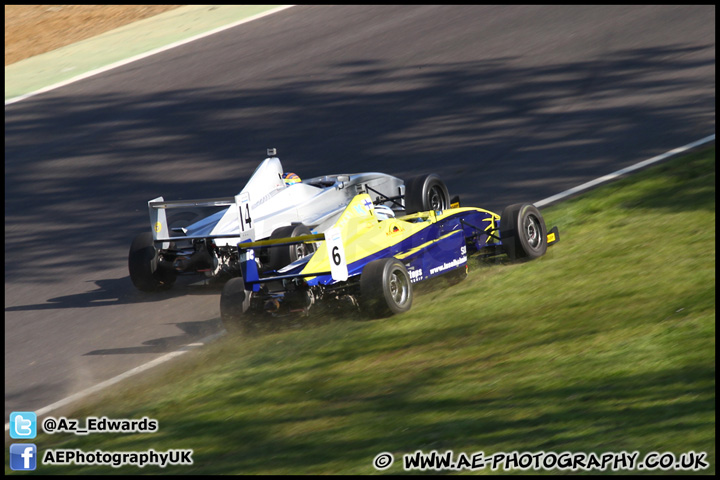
(80, 168)
(192, 331)
(120, 291)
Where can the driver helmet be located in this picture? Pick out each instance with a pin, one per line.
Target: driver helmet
(290, 178)
(383, 212)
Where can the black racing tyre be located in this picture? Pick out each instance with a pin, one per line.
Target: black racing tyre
(235, 306)
(283, 255)
(523, 232)
(146, 272)
(426, 192)
(385, 288)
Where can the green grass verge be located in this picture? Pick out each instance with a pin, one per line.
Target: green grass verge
(605, 344)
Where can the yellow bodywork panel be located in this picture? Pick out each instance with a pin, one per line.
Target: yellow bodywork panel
(364, 235)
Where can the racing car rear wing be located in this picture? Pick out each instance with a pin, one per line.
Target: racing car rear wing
(160, 228)
(249, 269)
(276, 242)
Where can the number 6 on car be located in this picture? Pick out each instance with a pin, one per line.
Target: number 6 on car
(338, 266)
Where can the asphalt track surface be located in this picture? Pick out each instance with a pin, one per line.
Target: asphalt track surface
(507, 104)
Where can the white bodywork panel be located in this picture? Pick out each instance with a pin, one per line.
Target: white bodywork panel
(272, 204)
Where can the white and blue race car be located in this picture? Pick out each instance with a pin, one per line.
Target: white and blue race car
(185, 239)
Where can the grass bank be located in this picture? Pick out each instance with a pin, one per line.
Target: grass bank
(605, 344)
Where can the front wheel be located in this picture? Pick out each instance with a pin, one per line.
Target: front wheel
(146, 271)
(523, 232)
(385, 288)
(426, 192)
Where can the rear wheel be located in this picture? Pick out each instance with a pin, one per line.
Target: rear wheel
(385, 288)
(146, 271)
(523, 232)
(283, 255)
(426, 192)
(235, 306)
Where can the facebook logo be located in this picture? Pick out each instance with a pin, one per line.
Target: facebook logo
(23, 425)
(23, 456)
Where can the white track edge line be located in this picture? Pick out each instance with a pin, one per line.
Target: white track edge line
(134, 371)
(144, 55)
(626, 170)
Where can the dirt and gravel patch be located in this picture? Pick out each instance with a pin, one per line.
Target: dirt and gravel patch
(34, 29)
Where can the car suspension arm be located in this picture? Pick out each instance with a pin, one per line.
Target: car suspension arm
(386, 198)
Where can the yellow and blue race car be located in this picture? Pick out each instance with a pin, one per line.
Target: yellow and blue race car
(369, 260)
